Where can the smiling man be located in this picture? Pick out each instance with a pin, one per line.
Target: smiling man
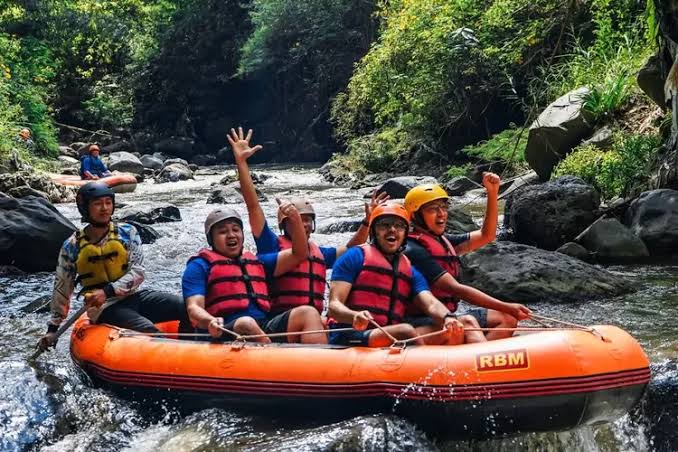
(106, 259)
(375, 283)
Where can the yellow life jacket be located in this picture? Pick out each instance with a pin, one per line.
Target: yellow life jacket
(99, 265)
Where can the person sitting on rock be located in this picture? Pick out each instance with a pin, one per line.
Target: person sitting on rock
(298, 294)
(225, 287)
(91, 166)
(435, 254)
(374, 283)
(106, 259)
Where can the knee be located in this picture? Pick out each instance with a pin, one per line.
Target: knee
(405, 331)
(469, 321)
(247, 325)
(509, 321)
(306, 315)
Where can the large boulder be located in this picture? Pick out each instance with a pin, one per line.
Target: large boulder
(158, 214)
(146, 233)
(397, 187)
(125, 162)
(611, 241)
(174, 172)
(32, 232)
(231, 194)
(459, 185)
(551, 214)
(68, 151)
(556, 131)
(205, 160)
(151, 162)
(651, 80)
(28, 183)
(521, 273)
(179, 146)
(653, 217)
(459, 221)
(340, 226)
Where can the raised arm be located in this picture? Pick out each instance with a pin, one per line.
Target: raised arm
(488, 232)
(363, 231)
(240, 144)
(290, 258)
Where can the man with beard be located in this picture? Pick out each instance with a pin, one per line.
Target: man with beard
(375, 283)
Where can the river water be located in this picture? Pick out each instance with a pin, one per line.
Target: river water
(50, 406)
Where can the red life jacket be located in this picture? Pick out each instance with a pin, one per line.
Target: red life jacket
(304, 284)
(381, 287)
(233, 283)
(442, 252)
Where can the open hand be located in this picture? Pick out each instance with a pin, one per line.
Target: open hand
(361, 320)
(491, 182)
(241, 144)
(376, 200)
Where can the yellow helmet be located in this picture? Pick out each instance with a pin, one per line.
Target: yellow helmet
(422, 194)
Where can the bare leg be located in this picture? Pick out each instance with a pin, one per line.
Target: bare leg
(439, 339)
(471, 337)
(248, 326)
(400, 331)
(496, 319)
(306, 318)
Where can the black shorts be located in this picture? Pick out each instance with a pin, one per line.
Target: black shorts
(278, 324)
(355, 338)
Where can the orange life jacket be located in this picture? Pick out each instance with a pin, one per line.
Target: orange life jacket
(304, 284)
(233, 283)
(442, 252)
(382, 287)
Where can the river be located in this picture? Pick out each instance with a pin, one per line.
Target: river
(49, 406)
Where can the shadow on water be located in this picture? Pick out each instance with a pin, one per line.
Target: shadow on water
(50, 406)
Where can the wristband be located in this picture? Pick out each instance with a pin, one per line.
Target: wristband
(109, 290)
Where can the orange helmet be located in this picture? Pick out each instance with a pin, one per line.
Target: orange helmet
(388, 209)
(304, 207)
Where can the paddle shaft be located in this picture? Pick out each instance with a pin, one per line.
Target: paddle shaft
(64, 326)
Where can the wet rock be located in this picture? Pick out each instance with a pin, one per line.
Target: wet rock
(205, 160)
(72, 171)
(151, 162)
(172, 161)
(179, 146)
(160, 214)
(553, 213)
(259, 178)
(39, 184)
(459, 185)
(397, 187)
(459, 221)
(24, 190)
(575, 250)
(160, 156)
(508, 186)
(230, 194)
(476, 174)
(653, 217)
(66, 160)
(651, 81)
(148, 234)
(557, 130)
(611, 241)
(174, 173)
(125, 162)
(38, 306)
(228, 179)
(341, 226)
(521, 273)
(68, 151)
(31, 233)
(193, 167)
(119, 146)
(601, 138)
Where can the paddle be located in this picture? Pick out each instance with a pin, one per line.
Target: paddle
(64, 326)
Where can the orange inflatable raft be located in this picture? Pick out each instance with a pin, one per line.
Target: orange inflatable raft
(119, 182)
(550, 380)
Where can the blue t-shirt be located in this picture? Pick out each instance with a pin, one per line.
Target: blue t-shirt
(94, 165)
(194, 282)
(350, 263)
(268, 249)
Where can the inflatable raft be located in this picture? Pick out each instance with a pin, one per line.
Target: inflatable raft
(120, 183)
(551, 380)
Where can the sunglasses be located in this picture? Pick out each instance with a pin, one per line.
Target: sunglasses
(388, 224)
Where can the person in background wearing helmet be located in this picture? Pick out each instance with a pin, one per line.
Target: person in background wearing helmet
(25, 138)
(435, 253)
(106, 259)
(376, 282)
(225, 287)
(297, 294)
(91, 166)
